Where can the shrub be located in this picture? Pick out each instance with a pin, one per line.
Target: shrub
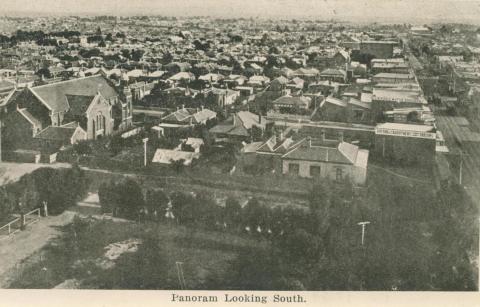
(124, 199)
(60, 188)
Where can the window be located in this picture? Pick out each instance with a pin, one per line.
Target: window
(339, 174)
(293, 168)
(358, 114)
(99, 122)
(315, 171)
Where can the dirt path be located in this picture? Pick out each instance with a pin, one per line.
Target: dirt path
(21, 245)
(11, 172)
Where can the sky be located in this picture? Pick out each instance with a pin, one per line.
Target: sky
(362, 10)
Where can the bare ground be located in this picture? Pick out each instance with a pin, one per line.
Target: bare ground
(16, 248)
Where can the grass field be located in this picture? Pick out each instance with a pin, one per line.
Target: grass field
(78, 253)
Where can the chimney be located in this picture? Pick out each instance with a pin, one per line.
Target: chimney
(322, 135)
(202, 107)
(281, 136)
(309, 141)
(340, 136)
(183, 107)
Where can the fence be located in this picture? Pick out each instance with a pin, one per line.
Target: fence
(15, 225)
(11, 228)
(31, 217)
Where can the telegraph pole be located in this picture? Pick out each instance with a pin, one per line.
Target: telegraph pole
(461, 167)
(181, 278)
(460, 175)
(145, 140)
(0, 140)
(363, 224)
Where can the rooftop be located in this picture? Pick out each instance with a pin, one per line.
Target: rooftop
(54, 95)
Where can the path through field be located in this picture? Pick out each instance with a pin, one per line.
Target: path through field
(17, 247)
(11, 172)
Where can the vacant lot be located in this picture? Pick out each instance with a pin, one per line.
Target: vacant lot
(77, 258)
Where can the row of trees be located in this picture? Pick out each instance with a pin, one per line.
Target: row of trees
(416, 240)
(60, 188)
(126, 199)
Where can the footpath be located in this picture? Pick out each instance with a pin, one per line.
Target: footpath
(21, 245)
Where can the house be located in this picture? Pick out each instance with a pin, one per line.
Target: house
(270, 152)
(356, 70)
(222, 97)
(347, 109)
(332, 159)
(386, 99)
(329, 58)
(258, 81)
(335, 75)
(308, 74)
(140, 90)
(180, 77)
(324, 87)
(234, 80)
(385, 77)
(296, 84)
(341, 57)
(333, 109)
(389, 66)
(57, 137)
(291, 104)
(190, 116)
(211, 78)
(167, 156)
(238, 127)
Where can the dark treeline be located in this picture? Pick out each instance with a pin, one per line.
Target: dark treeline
(39, 37)
(60, 188)
(414, 247)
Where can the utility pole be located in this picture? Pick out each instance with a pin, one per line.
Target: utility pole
(461, 168)
(363, 224)
(181, 278)
(145, 140)
(1, 139)
(460, 175)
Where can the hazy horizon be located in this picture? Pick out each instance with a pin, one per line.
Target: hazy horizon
(410, 11)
